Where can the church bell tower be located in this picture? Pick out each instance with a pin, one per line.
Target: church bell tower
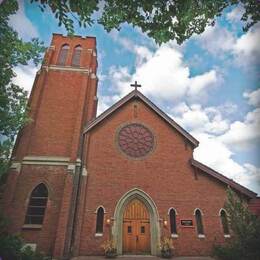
(46, 156)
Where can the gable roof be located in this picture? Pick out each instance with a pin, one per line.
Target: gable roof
(222, 178)
(137, 94)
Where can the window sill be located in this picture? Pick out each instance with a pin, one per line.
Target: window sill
(99, 235)
(31, 226)
(201, 236)
(227, 236)
(174, 235)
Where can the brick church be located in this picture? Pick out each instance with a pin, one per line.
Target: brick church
(77, 180)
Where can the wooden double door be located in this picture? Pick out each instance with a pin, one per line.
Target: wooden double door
(136, 229)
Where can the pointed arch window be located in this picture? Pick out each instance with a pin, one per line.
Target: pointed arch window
(76, 56)
(173, 226)
(199, 223)
(63, 54)
(100, 220)
(224, 221)
(37, 205)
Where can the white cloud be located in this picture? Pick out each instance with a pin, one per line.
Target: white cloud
(219, 157)
(216, 40)
(220, 41)
(200, 82)
(163, 75)
(104, 102)
(215, 154)
(252, 176)
(253, 97)
(199, 120)
(22, 24)
(143, 54)
(244, 135)
(213, 131)
(235, 14)
(25, 76)
(246, 48)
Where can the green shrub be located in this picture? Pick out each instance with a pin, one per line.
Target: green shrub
(28, 254)
(245, 242)
(12, 246)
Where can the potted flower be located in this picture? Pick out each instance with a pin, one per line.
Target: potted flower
(109, 249)
(166, 247)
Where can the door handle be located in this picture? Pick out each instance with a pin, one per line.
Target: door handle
(136, 238)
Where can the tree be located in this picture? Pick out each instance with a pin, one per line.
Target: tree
(161, 20)
(245, 228)
(13, 52)
(12, 247)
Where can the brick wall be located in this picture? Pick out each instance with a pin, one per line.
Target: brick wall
(165, 175)
(62, 100)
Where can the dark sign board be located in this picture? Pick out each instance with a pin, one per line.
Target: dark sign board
(186, 222)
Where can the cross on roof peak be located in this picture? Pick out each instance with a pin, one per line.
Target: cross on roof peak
(135, 85)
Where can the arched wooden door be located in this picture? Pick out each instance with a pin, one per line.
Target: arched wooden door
(136, 229)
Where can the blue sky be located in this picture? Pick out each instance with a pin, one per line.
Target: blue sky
(209, 84)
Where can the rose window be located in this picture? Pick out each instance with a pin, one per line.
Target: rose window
(135, 140)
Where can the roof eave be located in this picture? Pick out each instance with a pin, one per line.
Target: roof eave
(136, 93)
(223, 179)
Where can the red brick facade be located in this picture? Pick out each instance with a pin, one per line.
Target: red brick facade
(80, 161)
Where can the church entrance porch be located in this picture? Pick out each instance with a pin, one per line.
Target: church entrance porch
(136, 229)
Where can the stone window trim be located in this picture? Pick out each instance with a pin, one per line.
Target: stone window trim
(225, 229)
(201, 212)
(173, 222)
(139, 123)
(99, 229)
(98, 235)
(173, 209)
(31, 226)
(198, 214)
(63, 54)
(36, 206)
(50, 192)
(76, 56)
(100, 206)
(222, 209)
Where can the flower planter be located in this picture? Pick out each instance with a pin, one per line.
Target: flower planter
(166, 253)
(111, 254)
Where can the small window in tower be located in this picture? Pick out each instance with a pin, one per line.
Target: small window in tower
(224, 222)
(100, 220)
(142, 229)
(198, 216)
(63, 54)
(37, 205)
(129, 229)
(76, 56)
(173, 225)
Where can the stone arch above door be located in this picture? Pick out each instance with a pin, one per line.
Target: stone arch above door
(118, 218)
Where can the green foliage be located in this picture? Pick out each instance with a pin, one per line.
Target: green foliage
(161, 20)
(13, 52)
(245, 232)
(12, 246)
(28, 254)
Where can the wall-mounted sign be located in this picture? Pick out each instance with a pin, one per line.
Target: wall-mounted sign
(187, 222)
